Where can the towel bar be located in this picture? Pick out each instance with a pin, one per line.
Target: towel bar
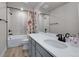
(3, 20)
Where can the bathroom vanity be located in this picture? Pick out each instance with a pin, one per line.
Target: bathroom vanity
(36, 50)
(47, 45)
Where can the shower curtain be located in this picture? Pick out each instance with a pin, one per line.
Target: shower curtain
(31, 22)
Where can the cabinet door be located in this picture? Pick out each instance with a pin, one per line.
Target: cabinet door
(38, 54)
(30, 47)
(43, 52)
(33, 50)
(33, 42)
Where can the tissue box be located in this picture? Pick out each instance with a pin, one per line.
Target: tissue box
(74, 41)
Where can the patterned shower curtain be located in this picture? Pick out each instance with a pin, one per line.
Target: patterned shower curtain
(31, 22)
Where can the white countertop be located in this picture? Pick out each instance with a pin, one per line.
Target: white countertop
(70, 51)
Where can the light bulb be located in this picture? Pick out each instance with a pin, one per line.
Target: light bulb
(22, 9)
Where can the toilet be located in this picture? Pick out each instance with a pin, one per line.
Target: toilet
(25, 43)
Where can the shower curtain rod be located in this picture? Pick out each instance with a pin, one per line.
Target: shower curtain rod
(17, 9)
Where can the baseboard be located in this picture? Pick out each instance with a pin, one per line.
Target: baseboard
(2, 55)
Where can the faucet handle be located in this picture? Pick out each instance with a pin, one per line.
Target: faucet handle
(67, 35)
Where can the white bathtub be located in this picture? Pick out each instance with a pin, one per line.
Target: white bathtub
(15, 40)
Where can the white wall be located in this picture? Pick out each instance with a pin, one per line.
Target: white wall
(67, 18)
(2, 28)
(42, 22)
(17, 21)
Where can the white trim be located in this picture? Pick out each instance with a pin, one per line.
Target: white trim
(2, 54)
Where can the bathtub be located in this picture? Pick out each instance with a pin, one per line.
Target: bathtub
(15, 40)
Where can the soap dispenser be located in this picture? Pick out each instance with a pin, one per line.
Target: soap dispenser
(45, 30)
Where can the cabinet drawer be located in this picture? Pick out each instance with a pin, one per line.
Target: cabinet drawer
(33, 42)
(43, 52)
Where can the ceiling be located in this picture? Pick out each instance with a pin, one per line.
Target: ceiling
(45, 7)
(24, 5)
(49, 6)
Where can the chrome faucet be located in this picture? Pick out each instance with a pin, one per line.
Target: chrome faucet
(61, 38)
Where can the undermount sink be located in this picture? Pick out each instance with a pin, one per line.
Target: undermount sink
(55, 44)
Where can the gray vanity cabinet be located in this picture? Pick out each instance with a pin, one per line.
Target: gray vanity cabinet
(33, 48)
(33, 51)
(30, 47)
(42, 51)
(38, 54)
(36, 50)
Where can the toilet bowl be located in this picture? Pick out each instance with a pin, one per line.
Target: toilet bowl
(25, 43)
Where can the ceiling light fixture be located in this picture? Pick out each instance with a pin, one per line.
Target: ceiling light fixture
(22, 9)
